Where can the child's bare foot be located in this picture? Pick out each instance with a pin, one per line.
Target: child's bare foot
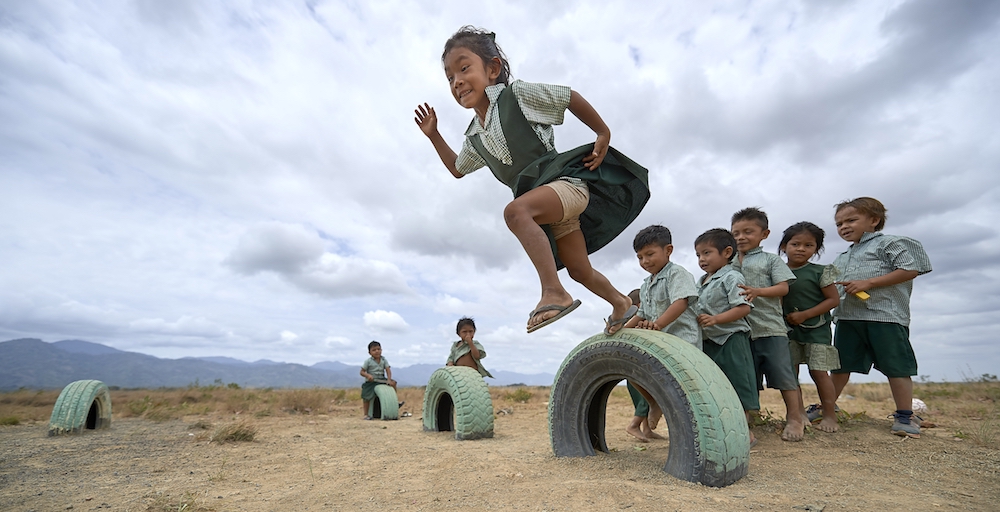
(651, 434)
(653, 418)
(794, 431)
(550, 308)
(634, 431)
(753, 439)
(828, 424)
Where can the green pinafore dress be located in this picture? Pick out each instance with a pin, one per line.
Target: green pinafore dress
(619, 187)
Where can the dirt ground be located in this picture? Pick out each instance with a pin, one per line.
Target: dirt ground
(336, 461)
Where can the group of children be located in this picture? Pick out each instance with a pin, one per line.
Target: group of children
(568, 205)
(759, 318)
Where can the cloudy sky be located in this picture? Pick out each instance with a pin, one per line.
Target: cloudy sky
(245, 178)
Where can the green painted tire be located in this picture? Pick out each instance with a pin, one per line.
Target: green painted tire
(84, 404)
(709, 437)
(385, 405)
(457, 398)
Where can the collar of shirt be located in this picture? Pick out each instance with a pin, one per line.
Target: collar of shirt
(721, 272)
(866, 236)
(755, 250)
(492, 92)
(662, 274)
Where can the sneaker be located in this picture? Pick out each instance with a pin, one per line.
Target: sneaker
(815, 412)
(911, 429)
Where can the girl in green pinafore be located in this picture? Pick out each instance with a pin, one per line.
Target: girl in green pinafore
(566, 205)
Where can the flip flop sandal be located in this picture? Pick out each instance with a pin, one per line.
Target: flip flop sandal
(609, 323)
(563, 311)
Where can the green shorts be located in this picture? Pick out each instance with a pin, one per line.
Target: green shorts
(368, 390)
(736, 361)
(817, 356)
(638, 401)
(772, 359)
(883, 344)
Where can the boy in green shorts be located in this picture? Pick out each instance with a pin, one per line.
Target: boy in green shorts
(376, 368)
(873, 319)
(767, 278)
(722, 316)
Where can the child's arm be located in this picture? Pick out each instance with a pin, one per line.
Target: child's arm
(427, 121)
(388, 374)
(831, 300)
(751, 293)
(366, 375)
(895, 277)
(731, 315)
(633, 322)
(586, 114)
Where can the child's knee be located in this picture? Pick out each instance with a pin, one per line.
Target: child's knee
(515, 213)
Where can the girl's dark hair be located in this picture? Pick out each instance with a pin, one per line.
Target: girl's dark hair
(718, 238)
(483, 43)
(803, 227)
(373, 344)
(462, 322)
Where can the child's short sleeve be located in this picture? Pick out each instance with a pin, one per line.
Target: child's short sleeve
(732, 281)
(468, 159)
(681, 286)
(542, 103)
(907, 254)
(780, 272)
(829, 276)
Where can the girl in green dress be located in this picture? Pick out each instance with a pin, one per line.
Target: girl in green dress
(566, 205)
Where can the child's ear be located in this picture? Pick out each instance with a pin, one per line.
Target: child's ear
(727, 252)
(493, 68)
(766, 233)
(669, 248)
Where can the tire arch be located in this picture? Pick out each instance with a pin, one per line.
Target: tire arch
(709, 437)
(458, 392)
(82, 405)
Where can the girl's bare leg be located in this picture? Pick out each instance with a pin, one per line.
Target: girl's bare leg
(824, 386)
(634, 429)
(573, 253)
(524, 217)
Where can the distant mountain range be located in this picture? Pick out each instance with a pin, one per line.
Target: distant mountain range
(35, 364)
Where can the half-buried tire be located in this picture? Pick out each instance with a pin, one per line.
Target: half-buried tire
(457, 398)
(385, 405)
(709, 437)
(84, 404)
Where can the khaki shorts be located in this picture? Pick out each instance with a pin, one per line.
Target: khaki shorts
(818, 356)
(574, 198)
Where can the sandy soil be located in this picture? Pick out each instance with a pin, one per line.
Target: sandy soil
(336, 461)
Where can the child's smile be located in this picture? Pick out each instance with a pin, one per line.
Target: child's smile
(748, 235)
(469, 77)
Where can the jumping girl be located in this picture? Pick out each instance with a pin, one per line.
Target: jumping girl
(566, 205)
(807, 307)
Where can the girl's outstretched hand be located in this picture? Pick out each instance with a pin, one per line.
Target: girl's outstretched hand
(426, 119)
(593, 160)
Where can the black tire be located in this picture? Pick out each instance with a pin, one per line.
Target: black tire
(709, 437)
(385, 404)
(458, 399)
(84, 404)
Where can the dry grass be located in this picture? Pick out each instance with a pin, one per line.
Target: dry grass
(238, 431)
(186, 502)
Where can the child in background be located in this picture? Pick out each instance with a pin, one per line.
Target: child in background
(874, 327)
(807, 307)
(375, 370)
(566, 205)
(467, 351)
(639, 426)
(767, 279)
(723, 310)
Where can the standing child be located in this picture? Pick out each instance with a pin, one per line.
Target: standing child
(807, 312)
(723, 310)
(467, 351)
(767, 279)
(375, 370)
(665, 298)
(873, 319)
(566, 205)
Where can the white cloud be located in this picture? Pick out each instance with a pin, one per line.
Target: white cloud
(380, 321)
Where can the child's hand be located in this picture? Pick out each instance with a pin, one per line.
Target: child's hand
(796, 318)
(853, 287)
(593, 160)
(426, 119)
(369, 378)
(706, 320)
(749, 292)
(647, 324)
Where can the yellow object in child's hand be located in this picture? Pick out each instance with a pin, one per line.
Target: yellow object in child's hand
(862, 295)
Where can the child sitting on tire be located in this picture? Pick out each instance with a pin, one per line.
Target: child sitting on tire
(467, 351)
(375, 370)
